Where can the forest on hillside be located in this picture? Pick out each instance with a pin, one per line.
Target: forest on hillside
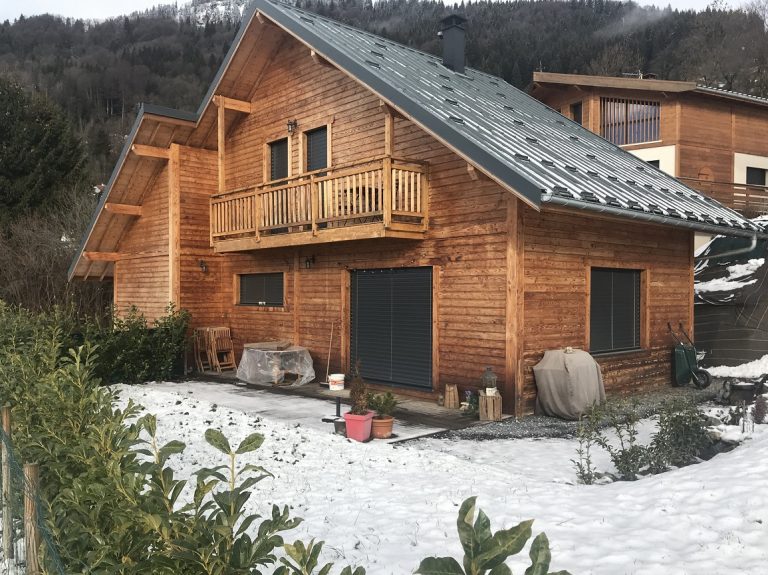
(84, 80)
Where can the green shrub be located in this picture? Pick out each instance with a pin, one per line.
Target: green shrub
(681, 436)
(486, 552)
(628, 456)
(358, 393)
(382, 403)
(760, 409)
(588, 434)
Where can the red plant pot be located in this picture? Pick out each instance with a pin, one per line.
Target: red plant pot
(359, 426)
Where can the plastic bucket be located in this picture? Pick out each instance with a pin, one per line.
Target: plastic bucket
(336, 382)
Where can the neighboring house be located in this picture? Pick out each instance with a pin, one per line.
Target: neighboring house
(433, 218)
(711, 139)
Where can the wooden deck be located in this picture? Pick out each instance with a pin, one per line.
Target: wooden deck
(750, 201)
(386, 197)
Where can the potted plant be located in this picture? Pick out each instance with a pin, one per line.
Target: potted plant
(358, 418)
(384, 404)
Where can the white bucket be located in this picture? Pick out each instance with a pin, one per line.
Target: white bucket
(336, 382)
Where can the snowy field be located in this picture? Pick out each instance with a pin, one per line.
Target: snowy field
(387, 507)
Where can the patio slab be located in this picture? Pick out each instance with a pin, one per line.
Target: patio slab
(308, 404)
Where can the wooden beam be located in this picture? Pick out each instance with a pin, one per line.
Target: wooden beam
(232, 104)
(123, 209)
(318, 59)
(174, 227)
(150, 151)
(101, 256)
(222, 136)
(389, 132)
(511, 388)
(475, 174)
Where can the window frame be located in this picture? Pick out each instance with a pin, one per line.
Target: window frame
(764, 172)
(266, 305)
(572, 107)
(613, 122)
(644, 303)
(311, 127)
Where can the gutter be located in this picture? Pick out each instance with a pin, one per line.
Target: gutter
(736, 252)
(652, 218)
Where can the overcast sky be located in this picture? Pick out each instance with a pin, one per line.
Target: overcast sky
(100, 9)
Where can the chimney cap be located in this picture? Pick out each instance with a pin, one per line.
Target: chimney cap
(453, 20)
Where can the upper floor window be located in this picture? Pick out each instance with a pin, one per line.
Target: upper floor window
(317, 149)
(278, 159)
(654, 163)
(265, 290)
(614, 310)
(576, 110)
(755, 176)
(624, 121)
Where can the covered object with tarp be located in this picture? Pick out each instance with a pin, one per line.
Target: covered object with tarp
(568, 383)
(731, 302)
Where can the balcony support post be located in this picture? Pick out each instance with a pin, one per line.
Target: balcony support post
(388, 191)
(314, 194)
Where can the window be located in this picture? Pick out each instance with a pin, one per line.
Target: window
(654, 163)
(264, 290)
(625, 121)
(755, 176)
(576, 112)
(614, 312)
(317, 149)
(278, 159)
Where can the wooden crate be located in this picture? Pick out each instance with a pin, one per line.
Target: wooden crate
(451, 396)
(490, 407)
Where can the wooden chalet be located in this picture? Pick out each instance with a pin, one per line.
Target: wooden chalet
(709, 138)
(434, 218)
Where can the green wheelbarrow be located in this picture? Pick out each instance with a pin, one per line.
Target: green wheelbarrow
(685, 361)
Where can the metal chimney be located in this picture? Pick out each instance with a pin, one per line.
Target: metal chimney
(452, 33)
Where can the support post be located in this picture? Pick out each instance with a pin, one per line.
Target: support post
(221, 139)
(31, 531)
(388, 191)
(6, 463)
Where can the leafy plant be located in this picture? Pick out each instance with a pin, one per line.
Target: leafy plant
(681, 436)
(760, 409)
(382, 403)
(358, 393)
(628, 456)
(304, 560)
(486, 552)
(588, 434)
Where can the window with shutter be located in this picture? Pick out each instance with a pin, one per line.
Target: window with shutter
(264, 290)
(317, 149)
(614, 310)
(278, 159)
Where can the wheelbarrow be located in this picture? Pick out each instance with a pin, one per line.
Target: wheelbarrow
(685, 361)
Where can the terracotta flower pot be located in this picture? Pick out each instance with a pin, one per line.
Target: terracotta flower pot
(358, 426)
(381, 427)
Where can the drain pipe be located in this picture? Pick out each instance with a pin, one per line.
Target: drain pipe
(550, 198)
(736, 252)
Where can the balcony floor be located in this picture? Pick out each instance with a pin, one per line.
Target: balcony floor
(322, 236)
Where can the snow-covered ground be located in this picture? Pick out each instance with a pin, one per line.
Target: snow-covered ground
(387, 507)
(756, 368)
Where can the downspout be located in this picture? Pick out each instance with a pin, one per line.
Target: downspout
(549, 197)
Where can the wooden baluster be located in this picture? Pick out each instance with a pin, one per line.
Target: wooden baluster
(418, 192)
(388, 189)
(366, 207)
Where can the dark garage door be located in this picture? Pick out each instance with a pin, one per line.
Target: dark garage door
(391, 326)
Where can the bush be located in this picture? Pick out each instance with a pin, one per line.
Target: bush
(760, 409)
(680, 438)
(382, 403)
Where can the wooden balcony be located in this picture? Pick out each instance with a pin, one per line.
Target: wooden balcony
(386, 197)
(749, 201)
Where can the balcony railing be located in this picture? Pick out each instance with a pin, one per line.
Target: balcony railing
(750, 201)
(389, 192)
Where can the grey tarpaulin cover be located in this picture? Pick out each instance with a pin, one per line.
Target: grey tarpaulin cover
(270, 366)
(568, 383)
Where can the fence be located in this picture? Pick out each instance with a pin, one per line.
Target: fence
(28, 546)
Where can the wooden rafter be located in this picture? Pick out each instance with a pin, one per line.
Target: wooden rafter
(150, 151)
(123, 209)
(318, 59)
(101, 256)
(232, 104)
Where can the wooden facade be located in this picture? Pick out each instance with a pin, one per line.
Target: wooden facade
(508, 281)
(711, 136)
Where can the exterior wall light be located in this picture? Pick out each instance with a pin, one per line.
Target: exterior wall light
(292, 125)
(203, 266)
(308, 261)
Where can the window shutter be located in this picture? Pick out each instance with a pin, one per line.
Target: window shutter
(317, 149)
(278, 159)
(614, 310)
(261, 289)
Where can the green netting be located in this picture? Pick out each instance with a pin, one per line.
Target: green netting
(16, 561)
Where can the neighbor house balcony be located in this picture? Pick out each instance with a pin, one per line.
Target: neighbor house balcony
(385, 197)
(749, 200)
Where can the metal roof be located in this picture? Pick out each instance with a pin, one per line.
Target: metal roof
(511, 136)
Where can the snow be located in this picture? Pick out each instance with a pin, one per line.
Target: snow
(387, 507)
(753, 369)
(730, 283)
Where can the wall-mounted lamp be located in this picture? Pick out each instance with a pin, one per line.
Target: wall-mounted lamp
(308, 261)
(292, 125)
(203, 266)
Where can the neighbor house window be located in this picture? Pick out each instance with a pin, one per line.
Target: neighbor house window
(576, 112)
(654, 163)
(624, 121)
(278, 159)
(317, 149)
(614, 310)
(264, 290)
(755, 176)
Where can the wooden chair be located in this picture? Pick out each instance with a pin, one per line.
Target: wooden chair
(222, 349)
(202, 349)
